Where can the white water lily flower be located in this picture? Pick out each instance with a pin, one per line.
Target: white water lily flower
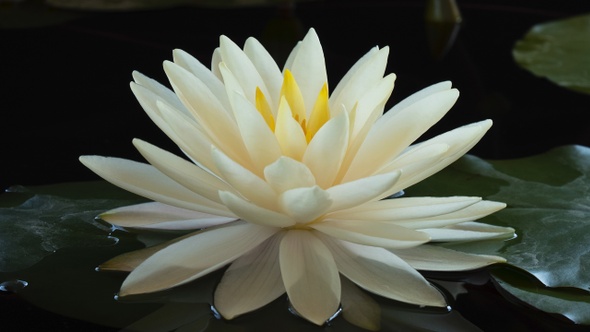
(285, 183)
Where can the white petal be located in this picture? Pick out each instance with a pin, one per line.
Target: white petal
(406, 208)
(381, 272)
(244, 181)
(204, 74)
(155, 215)
(268, 70)
(160, 91)
(459, 140)
(468, 231)
(251, 281)
(254, 213)
(370, 105)
(309, 68)
(182, 171)
(470, 213)
(145, 180)
(364, 78)
(242, 68)
(376, 234)
(357, 192)
(435, 258)
(259, 139)
(209, 112)
(310, 276)
(287, 173)
(193, 257)
(401, 129)
(326, 150)
(289, 133)
(305, 204)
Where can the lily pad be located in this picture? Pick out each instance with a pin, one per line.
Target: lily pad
(548, 199)
(559, 51)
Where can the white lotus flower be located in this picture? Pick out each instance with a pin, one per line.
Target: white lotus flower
(286, 182)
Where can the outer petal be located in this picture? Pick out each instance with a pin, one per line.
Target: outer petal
(381, 272)
(435, 258)
(326, 150)
(376, 234)
(472, 212)
(251, 281)
(459, 140)
(309, 68)
(406, 208)
(254, 213)
(155, 215)
(468, 231)
(358, 308)
(145, 180)
(357, 192)
(160, 91)
(193, 257)
(182, 171)
(310, 276)
(402, 128)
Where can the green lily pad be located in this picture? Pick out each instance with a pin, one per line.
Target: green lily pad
(559, 51)
(548, 199)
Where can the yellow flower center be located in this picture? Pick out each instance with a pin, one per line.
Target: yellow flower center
(291, 94)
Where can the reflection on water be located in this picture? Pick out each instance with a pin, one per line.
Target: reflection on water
(13, 286)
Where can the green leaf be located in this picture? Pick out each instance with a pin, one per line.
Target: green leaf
(559, 51)
(548, 199)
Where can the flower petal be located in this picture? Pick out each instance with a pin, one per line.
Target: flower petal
(326, 150)
(254, 213)
(400, 128)
(305, 204)
(468, 231)
(286, 173)
(159, 90)
(251, 281)
(378, 234)
(309, 68)
(155, 215)
(182, 171)
(193, 257)
(435, 258)
(289, 133)
(357, 192)
(470, 213)
(381, 272)
(242, 68)
(267, 68)
(310, 276)
(203, 73)
(243, 181)
(405, 208)
(145, 180)
(362, 78)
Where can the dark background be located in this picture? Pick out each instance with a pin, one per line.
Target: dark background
(64, 73)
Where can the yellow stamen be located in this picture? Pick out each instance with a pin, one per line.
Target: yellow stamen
(290, 90)
(264, 109)
(319, 115)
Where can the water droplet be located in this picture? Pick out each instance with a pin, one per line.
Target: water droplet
(13, 286)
